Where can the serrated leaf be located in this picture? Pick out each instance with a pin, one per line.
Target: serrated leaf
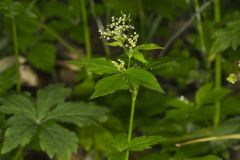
(143, 78)
(80, 114)
(49, 97)
(161, 66)
(210, 157)
(119, 142)
(7, 79)
(139, 56)
(143, 143)
(98, 65)
(57, 141)
(109, 85)
(18, 105)
(116, 156)
(147, 47)
(227, 37)
(20, 132)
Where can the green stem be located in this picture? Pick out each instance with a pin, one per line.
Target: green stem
(134, 93)
(86, 30)
(56, 35)
(18, 154)
(218, 68)
(16, 51)
(200, 27)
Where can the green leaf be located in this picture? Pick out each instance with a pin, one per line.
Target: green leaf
(207, 95)
(147, 47)
(115, 44)
(57, 141)
(20, 132)
(98, 65)
(117, 156)
(7, 79)
(42, 56)
(210, 157)
(12, 9)
(119, 142)
(202, 93)
(139, 56)
(109, 85)
(143, 78)
(80, 114)
(161, 66)
(49, 97)
(18, 105)
(227, 37)
(143, 143)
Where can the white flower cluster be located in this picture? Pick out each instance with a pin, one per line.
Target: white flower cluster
(120, 66)
(120, 30)
(233, 78)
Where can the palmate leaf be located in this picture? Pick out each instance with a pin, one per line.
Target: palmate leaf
(57, 141)
(80, 114)
(109, 85)
(143, 143)
(50, 97)
(98, 65)
(18, 105)
(147, 47)
(20, 132)
(143, 78)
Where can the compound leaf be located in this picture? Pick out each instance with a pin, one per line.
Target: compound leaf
(18, 104)
(80, 114)
(57, 141)
(20, 132)
(50, 97)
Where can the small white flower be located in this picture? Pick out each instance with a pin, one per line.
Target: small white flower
(120, 65)
(120, 30)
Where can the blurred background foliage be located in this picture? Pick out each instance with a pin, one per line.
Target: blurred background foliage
(53, 33)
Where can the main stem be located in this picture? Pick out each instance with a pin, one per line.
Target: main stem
(15, 41)
(218, 68)
(134, 93)
(200, 27)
